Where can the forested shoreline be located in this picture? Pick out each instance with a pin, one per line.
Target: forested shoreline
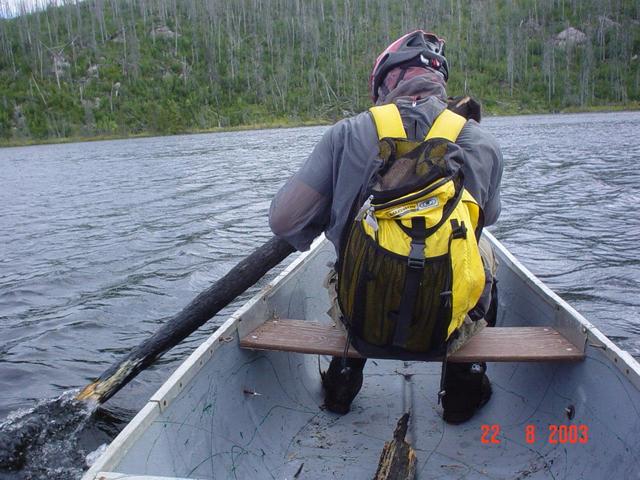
(93, 68)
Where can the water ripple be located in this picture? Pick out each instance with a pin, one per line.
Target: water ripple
(101, 242)
(570, 189)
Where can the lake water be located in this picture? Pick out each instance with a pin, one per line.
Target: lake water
(101, 242)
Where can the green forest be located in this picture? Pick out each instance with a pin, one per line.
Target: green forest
(100, 68)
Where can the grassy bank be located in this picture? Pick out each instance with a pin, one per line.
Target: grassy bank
(98, 138)
(634, 106)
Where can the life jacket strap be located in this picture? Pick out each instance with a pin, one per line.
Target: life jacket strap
(412, 281)
(388, 121)
(447, 125)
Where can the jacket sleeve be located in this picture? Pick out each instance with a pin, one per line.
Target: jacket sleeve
(301, 209)
(482, 169)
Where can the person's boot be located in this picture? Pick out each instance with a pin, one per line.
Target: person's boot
(466, 390)
(342, 383)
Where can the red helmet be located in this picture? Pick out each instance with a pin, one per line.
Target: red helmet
(415, 49)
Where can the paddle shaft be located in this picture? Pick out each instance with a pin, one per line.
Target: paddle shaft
(194, 315)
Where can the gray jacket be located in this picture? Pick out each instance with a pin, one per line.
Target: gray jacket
(319, 197)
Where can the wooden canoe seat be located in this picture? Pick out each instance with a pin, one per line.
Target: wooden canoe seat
(497, 344)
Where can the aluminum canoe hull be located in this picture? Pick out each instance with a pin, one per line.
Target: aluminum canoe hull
(233, 413)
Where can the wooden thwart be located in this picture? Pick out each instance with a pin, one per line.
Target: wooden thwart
(497, 344)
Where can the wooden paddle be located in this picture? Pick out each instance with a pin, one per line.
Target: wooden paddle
(201, 309)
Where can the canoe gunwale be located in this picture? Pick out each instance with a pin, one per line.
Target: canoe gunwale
(230, 330)
(121, 476)
(247, 325)
(186, 371)
(571, 323)
(118, 448)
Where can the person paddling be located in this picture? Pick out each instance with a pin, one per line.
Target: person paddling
(435, 175)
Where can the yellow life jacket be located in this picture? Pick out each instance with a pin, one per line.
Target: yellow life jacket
(410, 267)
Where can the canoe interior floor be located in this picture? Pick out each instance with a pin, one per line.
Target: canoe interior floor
(497, 344)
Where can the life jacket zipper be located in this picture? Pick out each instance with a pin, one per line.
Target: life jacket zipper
(415, 196)
(365, 209)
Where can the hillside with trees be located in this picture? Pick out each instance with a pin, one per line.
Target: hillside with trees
(124, 67)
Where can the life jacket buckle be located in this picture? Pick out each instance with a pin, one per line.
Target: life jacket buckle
(459, 230)
(416, 255)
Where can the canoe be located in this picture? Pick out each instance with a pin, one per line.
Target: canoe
(232, 412)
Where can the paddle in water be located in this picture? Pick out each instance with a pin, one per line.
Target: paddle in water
(199, 311)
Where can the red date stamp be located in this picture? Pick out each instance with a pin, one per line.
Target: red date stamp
(490, 434)
(555, 434)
